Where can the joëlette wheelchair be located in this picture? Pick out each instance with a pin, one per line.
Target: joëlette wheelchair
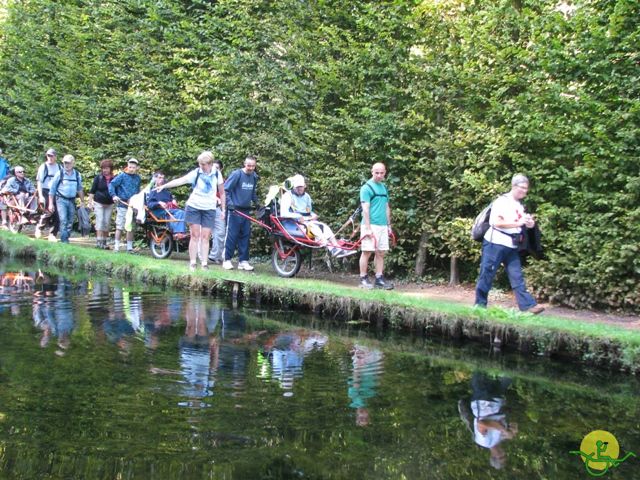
(21, 211)
(288, 236)
(162, 240)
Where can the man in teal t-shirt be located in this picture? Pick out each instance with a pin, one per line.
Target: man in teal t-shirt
(375, 228)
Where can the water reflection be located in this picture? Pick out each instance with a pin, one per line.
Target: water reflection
(199, 349)
(107, 381)
(367, 368)
(283, 354)
(485, 416)
(53, 312)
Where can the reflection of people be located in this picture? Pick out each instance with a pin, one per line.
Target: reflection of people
(125, 319)
(199, 349)
(53, 313)
(375, 228)
(485, 417)
(286, 352)
(297, 204)
(500, 246)
(367, 367)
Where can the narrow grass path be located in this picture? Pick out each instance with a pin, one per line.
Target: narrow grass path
(601, 344)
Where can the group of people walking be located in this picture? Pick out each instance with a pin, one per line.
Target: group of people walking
(210, 206)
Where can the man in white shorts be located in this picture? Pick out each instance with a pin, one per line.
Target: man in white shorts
(375, 227)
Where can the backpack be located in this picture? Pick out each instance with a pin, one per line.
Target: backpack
(46, 172)
(481, 224)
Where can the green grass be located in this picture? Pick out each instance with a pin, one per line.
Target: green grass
(547, 332)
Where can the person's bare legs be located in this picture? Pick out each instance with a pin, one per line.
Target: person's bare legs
(364, 263)
(194, 242)
(205, 234)
(379, 263)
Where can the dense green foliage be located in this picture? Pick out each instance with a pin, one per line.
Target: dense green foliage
(455, 96)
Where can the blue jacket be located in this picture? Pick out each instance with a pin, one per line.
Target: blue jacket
(5, 168)
(240, 190)
(14, 186)
(124, 186)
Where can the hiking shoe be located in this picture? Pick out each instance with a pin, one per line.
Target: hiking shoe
(205, 266)
(535, 309)
(192, 267)
(227, 265)
(52, 238)
(380, 283)
(245, 266)
(365, 283)
(37, 233)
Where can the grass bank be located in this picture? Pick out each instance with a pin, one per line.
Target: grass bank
(596, 344)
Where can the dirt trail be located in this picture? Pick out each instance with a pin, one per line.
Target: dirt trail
(463, 294)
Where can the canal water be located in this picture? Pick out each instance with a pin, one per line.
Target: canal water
(100, 380)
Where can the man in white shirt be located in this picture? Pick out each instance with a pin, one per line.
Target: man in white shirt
(500, 246)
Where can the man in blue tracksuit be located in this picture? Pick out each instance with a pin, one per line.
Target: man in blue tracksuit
(65, 187)
(240, 190)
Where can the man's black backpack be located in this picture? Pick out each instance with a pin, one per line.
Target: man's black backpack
(481, 224)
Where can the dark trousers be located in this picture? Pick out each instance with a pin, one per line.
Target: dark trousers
(49, 218)
(492, 256)
(237, 236)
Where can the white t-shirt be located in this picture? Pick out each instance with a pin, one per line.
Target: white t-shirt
(205, 193)
(507, 209)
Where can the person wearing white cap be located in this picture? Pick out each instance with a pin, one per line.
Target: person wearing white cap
(44, 177)
(297, 204)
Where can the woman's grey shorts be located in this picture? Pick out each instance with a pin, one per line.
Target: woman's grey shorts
(204, 218)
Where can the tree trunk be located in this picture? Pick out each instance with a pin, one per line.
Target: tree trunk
(454, 274)
(421, 258)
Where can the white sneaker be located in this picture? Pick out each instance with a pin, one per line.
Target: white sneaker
(245, 266)
(52, 238)
(37, 233)
(227, 265)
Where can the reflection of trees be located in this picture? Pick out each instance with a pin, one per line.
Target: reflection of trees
(111, 406)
